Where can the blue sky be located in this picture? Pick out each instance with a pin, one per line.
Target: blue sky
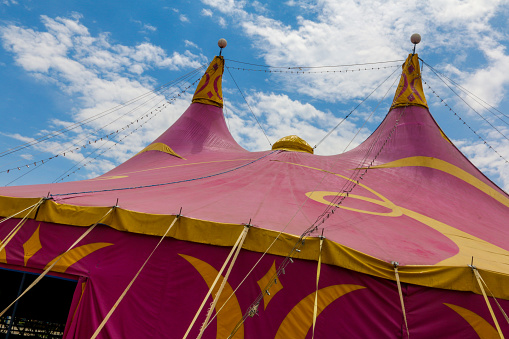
(65, 61)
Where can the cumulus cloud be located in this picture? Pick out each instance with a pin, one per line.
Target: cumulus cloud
(206, 12)
(370, 31)
(101, 75)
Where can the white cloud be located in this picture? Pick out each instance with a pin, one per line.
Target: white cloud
(183, 18)
(9, 2)
(191, 44)
(206, 12)
(367, 31)
(222, 22)
(281, 116)
(27, 156)
(101, 75)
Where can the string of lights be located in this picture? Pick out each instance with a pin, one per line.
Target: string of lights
(105, 137)
(252, 310)
(299, 71)
(465, 123)
(254, 306)
(99, 115)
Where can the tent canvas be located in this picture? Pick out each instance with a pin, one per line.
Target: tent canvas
(409, 225)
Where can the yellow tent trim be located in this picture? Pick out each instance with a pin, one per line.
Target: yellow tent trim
(159, 146)
(223, 234)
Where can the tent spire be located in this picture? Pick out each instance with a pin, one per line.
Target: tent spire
(209, 90)
(409, 91)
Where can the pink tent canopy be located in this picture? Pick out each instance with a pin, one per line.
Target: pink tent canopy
(410, 230)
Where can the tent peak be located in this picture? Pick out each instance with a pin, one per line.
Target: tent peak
(209, 90)
(410, 91)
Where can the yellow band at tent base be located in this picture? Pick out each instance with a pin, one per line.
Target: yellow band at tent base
(223, 234)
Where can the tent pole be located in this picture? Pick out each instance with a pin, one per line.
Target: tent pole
(15, 306)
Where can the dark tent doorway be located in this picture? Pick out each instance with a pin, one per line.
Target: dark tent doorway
(42, 312)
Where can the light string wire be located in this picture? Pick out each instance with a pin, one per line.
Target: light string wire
(96, 116)
(296, 247)
(70, 194)
(153, 111)
(353, 110)
(298, 70)
(308, 67)
(474, 97)
(252, 309)
(254, 115)
(465, 123)
(152, 115)
(466, 103)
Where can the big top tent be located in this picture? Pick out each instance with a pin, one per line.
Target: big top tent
(196, 237)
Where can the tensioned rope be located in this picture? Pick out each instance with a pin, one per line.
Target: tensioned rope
(253, 307)
(163, 184)
(114, 307)
(254, 115)
(152, 116)
(353, 110)
(474, 97)
(23, 210)
(318, 269)
(465, 123)
(20, 224)
(477, 276)
(240, 240)
(106, 138)
(225, 279)
(43, 274)
(493, 296)
(466, 103)
(98, 115)
(401, 299)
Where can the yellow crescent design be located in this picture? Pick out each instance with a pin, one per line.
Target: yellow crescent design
(231, 313)
(297, 323)
(3, 254)
(75, 255)
(32, 245)
(478, 323)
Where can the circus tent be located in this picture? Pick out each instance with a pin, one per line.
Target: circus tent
(197, 237)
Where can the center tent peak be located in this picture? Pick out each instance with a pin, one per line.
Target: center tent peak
(410, 91)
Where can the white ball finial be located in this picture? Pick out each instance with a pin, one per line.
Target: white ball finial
(221, 43)
(415, 38)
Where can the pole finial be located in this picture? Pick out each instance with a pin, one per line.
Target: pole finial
(415, 39)
(222, 44)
